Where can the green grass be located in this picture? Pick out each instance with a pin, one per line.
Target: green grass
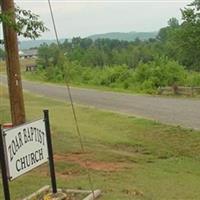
(149, 160)
(2, 67)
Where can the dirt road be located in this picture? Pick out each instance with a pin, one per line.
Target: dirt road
(184, 112)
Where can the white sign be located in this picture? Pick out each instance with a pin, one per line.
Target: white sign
(25, 148)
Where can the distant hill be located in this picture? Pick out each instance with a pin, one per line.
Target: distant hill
(130, 36)
(27, 44)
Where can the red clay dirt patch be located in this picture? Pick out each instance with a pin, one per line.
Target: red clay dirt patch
(90, 164)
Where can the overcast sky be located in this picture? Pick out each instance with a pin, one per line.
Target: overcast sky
(83, 18)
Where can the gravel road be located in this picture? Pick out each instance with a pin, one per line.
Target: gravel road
(183, 112)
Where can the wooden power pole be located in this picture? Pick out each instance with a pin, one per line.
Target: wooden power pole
(13, 67)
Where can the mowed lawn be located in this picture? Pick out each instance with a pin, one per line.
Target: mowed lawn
(128, 158)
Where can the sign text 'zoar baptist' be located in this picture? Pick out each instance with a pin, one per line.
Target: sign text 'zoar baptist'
(26, 148)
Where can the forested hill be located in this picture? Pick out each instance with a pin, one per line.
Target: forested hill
(36, 43)
(130, 36)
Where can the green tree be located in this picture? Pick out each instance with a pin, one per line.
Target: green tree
(48, 55)
(173, 22)
(27, 23)
(187, 37)
(166, 33)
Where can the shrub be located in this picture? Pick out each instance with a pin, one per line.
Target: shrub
(193, 79)
(145, 78)
(162, 72)
(113, 75)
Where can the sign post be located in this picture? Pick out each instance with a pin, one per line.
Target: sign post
(3, 168)
(50, 151)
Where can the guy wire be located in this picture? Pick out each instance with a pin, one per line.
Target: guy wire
(71, 102)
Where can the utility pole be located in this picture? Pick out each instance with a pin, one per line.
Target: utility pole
(13, 67)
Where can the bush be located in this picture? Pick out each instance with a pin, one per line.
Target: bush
(113, 75)
(162, 72)
(145, 78)
(193, 79)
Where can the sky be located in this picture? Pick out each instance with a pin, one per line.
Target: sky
(84, 18)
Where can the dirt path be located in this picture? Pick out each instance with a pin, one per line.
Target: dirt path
(184, 112)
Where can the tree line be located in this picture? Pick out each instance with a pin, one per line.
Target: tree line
(173, 57)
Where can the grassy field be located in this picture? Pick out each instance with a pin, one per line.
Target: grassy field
(23, 63)
(2, 66)
(128, 158)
